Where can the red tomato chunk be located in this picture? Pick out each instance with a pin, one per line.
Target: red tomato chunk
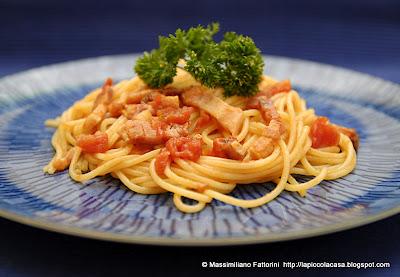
(97, 143)
(172, 115)
(162, 160)
(184, 148)
(203, 121)
(324, 134)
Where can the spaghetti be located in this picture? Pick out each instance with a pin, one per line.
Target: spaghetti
(194, 143)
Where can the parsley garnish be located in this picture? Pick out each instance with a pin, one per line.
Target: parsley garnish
(235, 63)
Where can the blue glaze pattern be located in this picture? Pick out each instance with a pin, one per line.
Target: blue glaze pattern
(104, 208)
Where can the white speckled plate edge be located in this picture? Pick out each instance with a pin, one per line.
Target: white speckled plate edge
(278, 70)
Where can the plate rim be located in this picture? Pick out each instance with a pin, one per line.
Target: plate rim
(168, 241)
(165, 241)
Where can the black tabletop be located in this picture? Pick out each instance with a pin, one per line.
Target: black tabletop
(360, 35)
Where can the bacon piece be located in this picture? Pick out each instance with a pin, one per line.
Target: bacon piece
(144, 115)
(106, 94)
(132, 110)
(115, 108)
(150, 96)
(142, 132)
(135, 97)
(324, 134)
(94, 118)
(97, 143)
(278, 87)
(161, 101)
(275, 127)
(261, 148)
(228, 148)
(351, 133)
(99, 110)
(231, 118)
(170, 91)
(60, 164)
(140, 149)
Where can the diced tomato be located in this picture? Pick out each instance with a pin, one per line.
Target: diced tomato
(203, 120)
(324, 134)
(184, 148)
(173, 115)
(156, 104)
(97, 143)
(162, 160)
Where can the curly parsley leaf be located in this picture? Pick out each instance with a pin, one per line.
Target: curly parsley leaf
(234, 64)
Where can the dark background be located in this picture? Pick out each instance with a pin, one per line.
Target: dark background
(361, 35)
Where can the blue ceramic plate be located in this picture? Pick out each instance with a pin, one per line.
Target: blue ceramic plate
(105, 209)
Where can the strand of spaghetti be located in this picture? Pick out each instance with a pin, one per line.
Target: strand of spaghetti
(292, 122)
(330, 149)
(233, 164)
(264, 199)
(251, 113)
(106, 123)
(69, 138)
(206, 132)
(134, 172)
(249, 142)
(185, 207)
(335, 171)
(136, 188)
(188, 170)
(187, 183)
(54, 123)
(175, 189)
(108, 166)
(267, 169)
(348, 165)
(73, 123)
(244, 131)
(307, 185)
(325, 154)
(140, 179)
(308, 167)
(323, 160)
(293, 181)
(113, 153)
